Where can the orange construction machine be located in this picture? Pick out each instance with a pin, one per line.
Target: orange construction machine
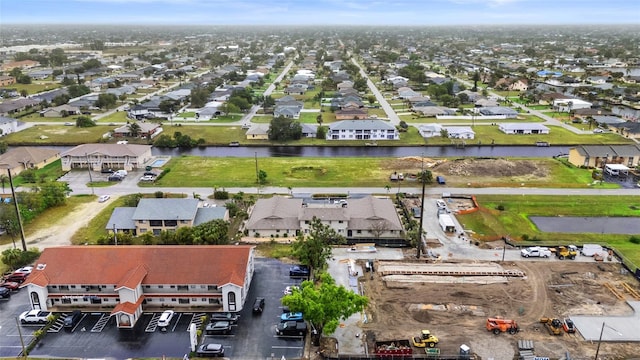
(498, 325)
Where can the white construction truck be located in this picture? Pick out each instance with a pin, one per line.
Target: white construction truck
(535, 251)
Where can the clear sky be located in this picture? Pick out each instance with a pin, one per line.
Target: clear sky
(320, 12)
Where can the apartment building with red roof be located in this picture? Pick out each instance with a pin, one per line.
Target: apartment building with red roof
(124, 281)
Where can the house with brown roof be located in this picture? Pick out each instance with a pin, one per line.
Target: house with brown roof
(351, 113)
(6, 80)
(367, 219)
(147, 130)
(125, 281)
(21, 158)
(100, 156)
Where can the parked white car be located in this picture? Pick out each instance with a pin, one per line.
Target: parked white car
(147, 178)
(165, 318)
(535, 251)
(34, 317)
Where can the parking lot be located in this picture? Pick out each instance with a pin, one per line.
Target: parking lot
(96, 335)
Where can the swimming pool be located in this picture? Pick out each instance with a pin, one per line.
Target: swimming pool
(159, 163)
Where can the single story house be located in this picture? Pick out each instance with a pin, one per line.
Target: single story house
(630, 129)
(364, 219)
(157, 215)
(17, 105)
(350, 114)
(258, 132)
(113, 156)
(147, 130)
(9, 125)
(60, 111)
(430, 130)
(24, 157)
(568, 105)
(362, 130)
(523, 128)
(593, 156)
(509, 113)
(6, 80)
(460, 132)
(134, 279)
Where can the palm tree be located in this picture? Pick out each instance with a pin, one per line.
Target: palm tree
(134, 129)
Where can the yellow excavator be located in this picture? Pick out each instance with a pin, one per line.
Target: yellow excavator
(553, 325)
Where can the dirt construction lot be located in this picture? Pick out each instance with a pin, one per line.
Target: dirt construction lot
(456, 311)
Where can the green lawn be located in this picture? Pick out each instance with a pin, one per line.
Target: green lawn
(490, 223)
(57, 135)
(50, 172)
(191, 171)
(213, 135)
(116, 117)
(35, 87)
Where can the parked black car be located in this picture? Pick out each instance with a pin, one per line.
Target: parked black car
(225, 316)
(258, 305)
(115, 178)
(210, 350)
(5, 293)
(72, 319)
(217, 328)
(106, 171)
(299, 271)
(291, 328)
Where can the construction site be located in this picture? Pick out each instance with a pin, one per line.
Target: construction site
(504, 310)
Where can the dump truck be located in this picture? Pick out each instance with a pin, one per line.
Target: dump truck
(553, 325)
(393, 349)
(426, 339)
(498, 325)
(566, 252)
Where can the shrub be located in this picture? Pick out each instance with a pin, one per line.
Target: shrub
(500, 207)
(158, 194)
(525, 237)
(634, 239)
(163, 173)
(221, 195)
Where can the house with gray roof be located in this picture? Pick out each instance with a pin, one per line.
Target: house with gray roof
(523, 128)
(157, 215)
(630, 129)
(367, 219)
(509, 113)
(370, 129)
(592, 156)
(15, 106)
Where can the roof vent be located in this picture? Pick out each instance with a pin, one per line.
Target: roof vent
(41, 266)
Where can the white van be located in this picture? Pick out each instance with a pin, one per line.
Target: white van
(611, 171)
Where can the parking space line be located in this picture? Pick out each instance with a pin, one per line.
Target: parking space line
(153, 324)
(287, 347)
(102, 322)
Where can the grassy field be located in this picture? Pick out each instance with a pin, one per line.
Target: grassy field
(116, 117)
(191, 171)
(57, 135)
(213, 135)
(35, 87)
(490, 223)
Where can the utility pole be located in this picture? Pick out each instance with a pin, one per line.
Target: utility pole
(424, 183)
(89, 170)
(15, 204)
(257, 177)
